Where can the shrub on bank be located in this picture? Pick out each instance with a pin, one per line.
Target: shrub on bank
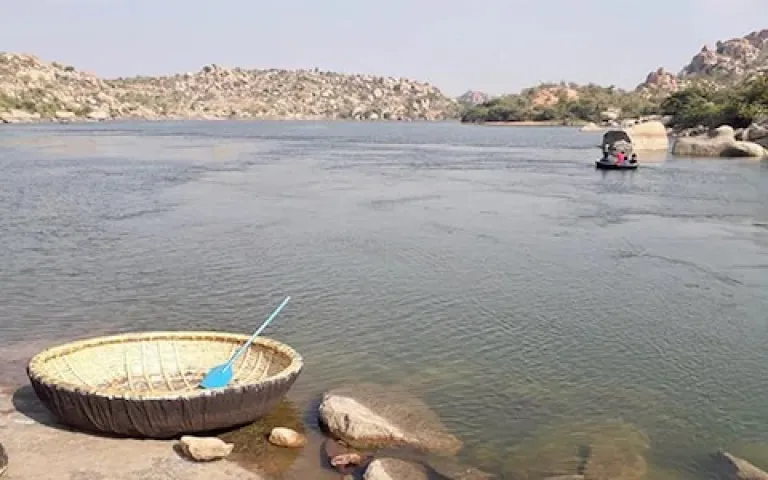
(560, 102)
(738, 107)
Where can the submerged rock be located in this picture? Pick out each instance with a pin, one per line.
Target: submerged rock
(598, 451)
(371, 416)
(344, 459)
(252, 446)
(285, 437)
(204, 449)
(734, 468)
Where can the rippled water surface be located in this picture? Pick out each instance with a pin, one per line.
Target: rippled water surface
(491, 270)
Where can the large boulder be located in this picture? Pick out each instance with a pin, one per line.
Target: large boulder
(757, 133)
(720, 142)
(734, 468)
(371, 416)
(649, 136)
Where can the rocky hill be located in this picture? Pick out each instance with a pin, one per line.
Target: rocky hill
(32, 89)
(473, 97)
(729, 62)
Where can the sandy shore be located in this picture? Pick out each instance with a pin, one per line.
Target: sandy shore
(40, 449)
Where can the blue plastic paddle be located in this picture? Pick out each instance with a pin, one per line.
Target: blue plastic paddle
(220, 375)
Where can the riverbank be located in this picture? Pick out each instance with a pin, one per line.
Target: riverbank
(532, 123)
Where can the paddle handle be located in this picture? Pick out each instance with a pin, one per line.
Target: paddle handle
(257, 332)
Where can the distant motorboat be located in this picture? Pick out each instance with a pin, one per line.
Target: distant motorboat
(615, 143)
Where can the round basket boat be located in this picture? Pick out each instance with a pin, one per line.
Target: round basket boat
(147, 384)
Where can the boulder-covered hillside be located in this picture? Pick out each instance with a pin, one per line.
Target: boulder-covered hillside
(730, 61)
(33, 89)
(727, 66)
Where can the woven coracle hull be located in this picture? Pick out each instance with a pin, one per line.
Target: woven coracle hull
(138, 401)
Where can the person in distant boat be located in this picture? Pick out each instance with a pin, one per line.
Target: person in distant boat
(620, 157)
(634, 158)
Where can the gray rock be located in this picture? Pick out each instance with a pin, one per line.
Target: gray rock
(369, 416)
(3, 460)
(720, 142)
(99, 115)
(757, 133)
(19, 116)
(394, 469)
(734, 468)
(716, 147)
(204, 449)
(65, 115)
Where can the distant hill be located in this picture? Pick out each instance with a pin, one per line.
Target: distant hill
(473, 97)
(728, 63)
(32, 89)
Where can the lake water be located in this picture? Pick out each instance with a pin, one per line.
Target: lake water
(523, 294)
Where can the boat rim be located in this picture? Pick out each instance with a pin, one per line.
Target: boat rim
(36, 373)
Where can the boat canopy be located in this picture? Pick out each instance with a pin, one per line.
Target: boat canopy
(617, 140)
(612, 136)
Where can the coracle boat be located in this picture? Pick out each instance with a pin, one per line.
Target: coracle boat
(147, 384)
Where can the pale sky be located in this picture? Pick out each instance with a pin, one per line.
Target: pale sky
(497, 46)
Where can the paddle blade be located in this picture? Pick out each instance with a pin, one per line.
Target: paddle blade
(217, 377)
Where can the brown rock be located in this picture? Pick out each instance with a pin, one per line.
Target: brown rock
(204, 449)
(285, 437)
(370, 416)
(348, 459)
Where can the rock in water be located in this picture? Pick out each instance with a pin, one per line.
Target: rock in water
(735, 468)
(370, 416)
(285, 437)
(3, 460)
(393, 469)
(721, 142)
(204, 449)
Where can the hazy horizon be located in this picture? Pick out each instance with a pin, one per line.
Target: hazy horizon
(488, 45)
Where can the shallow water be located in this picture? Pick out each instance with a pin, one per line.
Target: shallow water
(491, 270)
